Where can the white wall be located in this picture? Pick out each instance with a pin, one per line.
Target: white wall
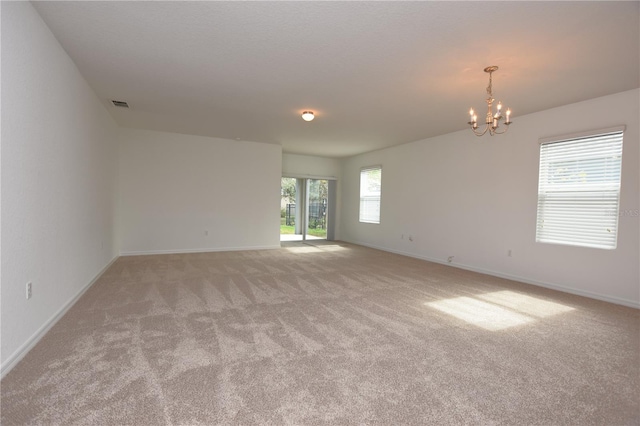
(174, 188)
(475, 198)
(59, 181)
(294, 165)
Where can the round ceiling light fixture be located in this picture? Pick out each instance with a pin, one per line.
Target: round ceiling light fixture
(307, 115)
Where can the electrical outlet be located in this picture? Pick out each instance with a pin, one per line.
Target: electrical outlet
(450, 259)
(29, 290)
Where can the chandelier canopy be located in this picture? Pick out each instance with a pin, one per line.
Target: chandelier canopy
(493, 120)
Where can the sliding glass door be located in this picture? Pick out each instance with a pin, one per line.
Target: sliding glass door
(304, 209)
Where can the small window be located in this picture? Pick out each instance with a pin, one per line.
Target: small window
(370, 191)
(579, 190)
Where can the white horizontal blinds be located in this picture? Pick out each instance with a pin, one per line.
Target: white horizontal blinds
(370, 194)
(579, 191)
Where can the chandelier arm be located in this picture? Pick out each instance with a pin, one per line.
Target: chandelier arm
(504, 131)
(480, 133)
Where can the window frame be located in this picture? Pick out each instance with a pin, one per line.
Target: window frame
(580, 202)
(360, 198)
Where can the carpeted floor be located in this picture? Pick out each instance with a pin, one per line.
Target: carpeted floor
(326, 334)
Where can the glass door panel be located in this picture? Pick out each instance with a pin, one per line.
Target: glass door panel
(317, 199)
(290, 217)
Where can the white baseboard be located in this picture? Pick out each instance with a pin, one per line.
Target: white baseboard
(199, 250)
(525, 280)
(15, 357)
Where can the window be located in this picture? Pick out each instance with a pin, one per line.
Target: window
(579, 190)
(370, 190)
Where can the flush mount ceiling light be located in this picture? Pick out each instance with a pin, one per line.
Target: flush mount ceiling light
(492, 122)
(307, 115)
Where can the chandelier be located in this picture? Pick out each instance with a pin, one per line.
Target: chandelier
(492, 122)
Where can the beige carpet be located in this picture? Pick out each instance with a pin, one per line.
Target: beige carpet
(331, 334)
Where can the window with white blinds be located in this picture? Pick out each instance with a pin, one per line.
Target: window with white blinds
(579, 190)
(370, 194)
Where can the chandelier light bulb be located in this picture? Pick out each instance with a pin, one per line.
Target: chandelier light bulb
(308, 116)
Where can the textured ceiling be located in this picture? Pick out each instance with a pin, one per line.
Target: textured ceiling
(377, 74)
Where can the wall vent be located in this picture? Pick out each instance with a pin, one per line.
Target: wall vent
(121, 104)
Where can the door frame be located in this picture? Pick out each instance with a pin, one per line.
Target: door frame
(331, 202)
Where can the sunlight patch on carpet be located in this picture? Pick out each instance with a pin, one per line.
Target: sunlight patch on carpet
(500, 309)
(308, 249)
(482, 314)
(333, 248)
(525, 304)
(313, 248)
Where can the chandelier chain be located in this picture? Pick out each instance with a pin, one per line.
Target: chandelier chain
(489, 89)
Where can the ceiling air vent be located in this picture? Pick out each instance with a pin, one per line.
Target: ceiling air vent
(121, 104)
